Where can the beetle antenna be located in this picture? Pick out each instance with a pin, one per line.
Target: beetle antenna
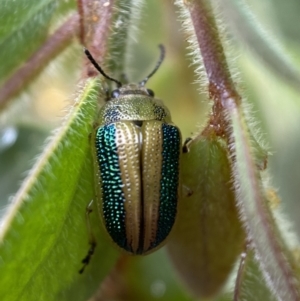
(161, 58)
(96, 65)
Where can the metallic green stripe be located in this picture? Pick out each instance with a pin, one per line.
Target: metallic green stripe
(169, 181)
(111, 184)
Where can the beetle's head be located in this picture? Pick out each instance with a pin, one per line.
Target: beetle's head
(129, 89)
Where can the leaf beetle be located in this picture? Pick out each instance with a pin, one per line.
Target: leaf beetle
(136, 153)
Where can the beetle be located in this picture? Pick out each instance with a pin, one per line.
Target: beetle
(136, 153)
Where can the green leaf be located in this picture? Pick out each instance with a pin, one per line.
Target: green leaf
(44, 235)
(207, 221)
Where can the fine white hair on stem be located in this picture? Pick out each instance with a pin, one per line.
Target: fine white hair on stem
(193, 48)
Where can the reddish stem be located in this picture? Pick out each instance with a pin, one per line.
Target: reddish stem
(221, 86)
(57, 42)
(95, 28)
(81, 22)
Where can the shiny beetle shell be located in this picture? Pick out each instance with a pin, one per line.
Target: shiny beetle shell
(137, 151)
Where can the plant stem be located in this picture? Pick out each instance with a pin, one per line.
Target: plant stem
(57, 42)
(228, 120)
(96, 19)
(221, 86)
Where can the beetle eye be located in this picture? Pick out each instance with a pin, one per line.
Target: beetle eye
(115, 93)
(150, 92)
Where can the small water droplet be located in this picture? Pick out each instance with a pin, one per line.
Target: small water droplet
(8, 136)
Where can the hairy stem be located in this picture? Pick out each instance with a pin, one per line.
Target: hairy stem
(228, 120)
(60, 39)
(96, 19)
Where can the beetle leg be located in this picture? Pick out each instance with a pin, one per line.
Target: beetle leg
(92, 240)
(185, 147)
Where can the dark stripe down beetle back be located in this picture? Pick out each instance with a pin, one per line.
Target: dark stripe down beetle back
(136, 151)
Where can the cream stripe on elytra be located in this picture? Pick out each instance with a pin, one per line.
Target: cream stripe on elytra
(128, 145)
(152, 159)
